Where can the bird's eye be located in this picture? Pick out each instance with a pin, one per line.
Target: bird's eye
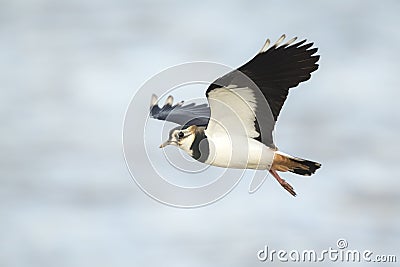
(181, 134)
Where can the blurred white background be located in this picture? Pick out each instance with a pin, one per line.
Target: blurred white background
(69, 70)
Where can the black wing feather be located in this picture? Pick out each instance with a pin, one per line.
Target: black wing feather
(281, 68)
(184, 115)
(274, 72)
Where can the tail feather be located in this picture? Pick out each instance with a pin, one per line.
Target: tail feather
(283, 162)
(304, 167)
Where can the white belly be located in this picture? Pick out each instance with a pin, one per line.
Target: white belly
(239, 152)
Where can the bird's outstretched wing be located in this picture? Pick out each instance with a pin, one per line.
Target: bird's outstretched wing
(273, 71)
(184, 115)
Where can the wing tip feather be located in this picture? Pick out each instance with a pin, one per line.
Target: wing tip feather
(169, 101)
(265, 46)
(280, 40)
(153, 100)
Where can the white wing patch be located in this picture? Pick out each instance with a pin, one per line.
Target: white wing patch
(232, 111)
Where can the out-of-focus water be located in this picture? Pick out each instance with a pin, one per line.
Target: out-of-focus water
(69, 70)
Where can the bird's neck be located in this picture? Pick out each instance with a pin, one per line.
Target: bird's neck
(200, 145)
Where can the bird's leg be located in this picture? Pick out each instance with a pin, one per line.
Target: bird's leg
(283, 183)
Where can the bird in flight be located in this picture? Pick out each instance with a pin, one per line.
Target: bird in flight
(235, 128)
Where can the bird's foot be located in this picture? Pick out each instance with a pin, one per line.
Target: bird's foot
(283, 183)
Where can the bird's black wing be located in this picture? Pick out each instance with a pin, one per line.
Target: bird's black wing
(279, 68)
(273, 70)
(184, 115)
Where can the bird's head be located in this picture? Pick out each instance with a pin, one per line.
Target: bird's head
(182, 138)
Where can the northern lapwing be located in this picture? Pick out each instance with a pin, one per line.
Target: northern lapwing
(235, 110)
